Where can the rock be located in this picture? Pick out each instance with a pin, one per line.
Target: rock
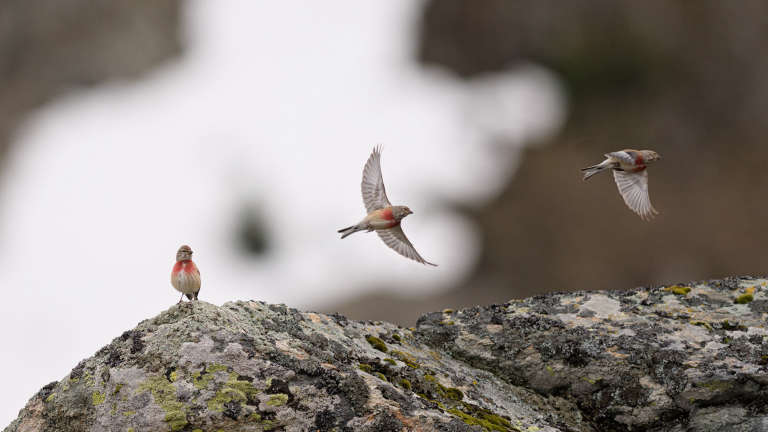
(687, 357)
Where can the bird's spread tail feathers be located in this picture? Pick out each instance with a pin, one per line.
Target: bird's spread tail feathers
(589, 172)
(349, 231)
(594, 169)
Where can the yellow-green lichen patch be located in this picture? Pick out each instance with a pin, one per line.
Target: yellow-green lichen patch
(447, 311)
(164, 395)
(174, 376)
(404, 383)
(268, 425)
(278, 399)
(203, 378)
(381, 376)
(129, 413)
(729, 326)
(390, 361)
(407, 359)
(50, 397)
(397, 337)
(213, 368)
(450, 392)
(98, 398)
(474, 415)
(717, 385)
(447, 323)
(678, 289)
(88, 379)
(130, 430)
(704, 324)
(118, 387)
(197, 430)
(234, 390)
(744, 299)
(376, 343)
(365, 368)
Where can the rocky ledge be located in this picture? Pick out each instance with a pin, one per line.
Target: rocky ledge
(686, 357)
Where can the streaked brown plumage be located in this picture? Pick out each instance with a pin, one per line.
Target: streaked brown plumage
(383, 217)
(630, 173)
(185, 276)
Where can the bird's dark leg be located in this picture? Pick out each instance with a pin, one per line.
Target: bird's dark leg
(181, 300)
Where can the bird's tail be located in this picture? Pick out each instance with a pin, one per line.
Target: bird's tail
(594, 169)
(349, 230)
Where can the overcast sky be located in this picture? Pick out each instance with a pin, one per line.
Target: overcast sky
(274, 103)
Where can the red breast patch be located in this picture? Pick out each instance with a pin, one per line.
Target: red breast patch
(186, 266)
(177, 267)
(387, 214)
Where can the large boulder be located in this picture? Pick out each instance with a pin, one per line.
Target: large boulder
(687, 357)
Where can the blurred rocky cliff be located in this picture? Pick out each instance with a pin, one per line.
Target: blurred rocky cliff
(47, 49)
(686, 79)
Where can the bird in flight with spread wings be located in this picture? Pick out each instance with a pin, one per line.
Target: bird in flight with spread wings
(629, 171)
(383, 217)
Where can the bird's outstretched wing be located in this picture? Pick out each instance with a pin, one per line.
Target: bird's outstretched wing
(395, 238)
(624, 156)
(374, 195)
(633, 187)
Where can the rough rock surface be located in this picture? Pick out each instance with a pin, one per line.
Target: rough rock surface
(682, 358)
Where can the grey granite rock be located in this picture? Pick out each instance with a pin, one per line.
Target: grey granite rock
(683, 358)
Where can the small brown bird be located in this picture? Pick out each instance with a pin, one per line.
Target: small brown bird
(185, 276)
(629, 171)
(382, 216)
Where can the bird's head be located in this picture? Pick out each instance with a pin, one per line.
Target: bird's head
(650, 156)
(184, 253)
(400, 212)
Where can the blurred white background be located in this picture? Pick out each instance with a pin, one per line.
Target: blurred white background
(104, 185)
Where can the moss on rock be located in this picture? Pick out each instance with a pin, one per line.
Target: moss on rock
(376, 343)
(165, 396)
(277, 400)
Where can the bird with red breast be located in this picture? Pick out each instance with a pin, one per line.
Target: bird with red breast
(185, 276)
(383, 217)
(630, 172)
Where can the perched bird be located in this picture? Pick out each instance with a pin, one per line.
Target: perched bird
(382, 216)
(185, 276)
(629, 171)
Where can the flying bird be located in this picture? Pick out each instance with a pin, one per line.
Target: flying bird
(185, 276)
(629, 171)
(383, 217)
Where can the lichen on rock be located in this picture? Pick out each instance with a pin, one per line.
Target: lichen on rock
(646, 359)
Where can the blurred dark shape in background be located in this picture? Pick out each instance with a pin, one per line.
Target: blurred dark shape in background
(47, 48)
(252, 231)
(687, 79)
